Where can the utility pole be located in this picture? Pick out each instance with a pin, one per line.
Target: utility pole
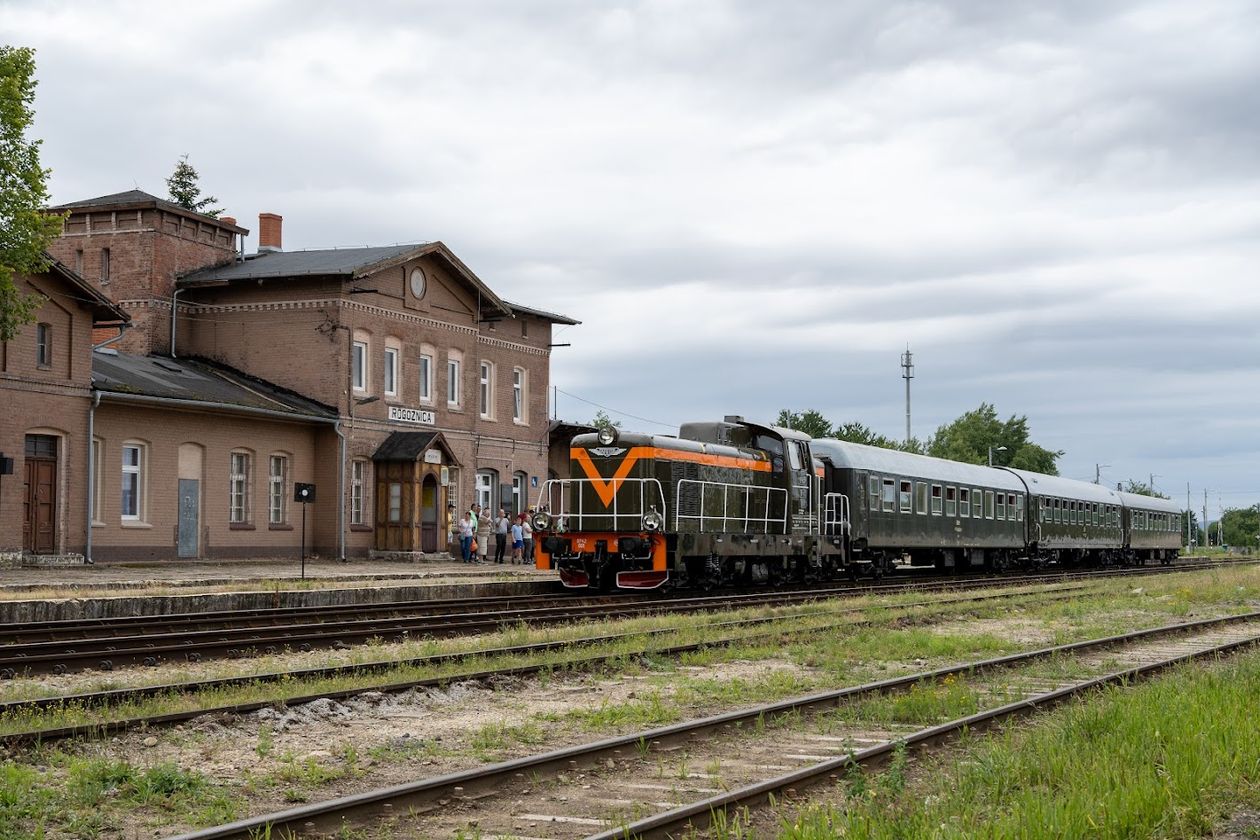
(907, 373)
(1206, 534)
(1152, 484)
(1098, 472)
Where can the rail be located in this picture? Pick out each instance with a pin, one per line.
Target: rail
(553, 501)
(750, 495)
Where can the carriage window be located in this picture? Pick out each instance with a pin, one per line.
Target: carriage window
(1045, 510)
(951, 501)
(1058, 512)
(1094, 514)
(964, 502)
(977, 503)
(1001, 505)
(988, 504)
(936, 500)
(905, 497)
(921, 491)
(872, 488)
(890, 495)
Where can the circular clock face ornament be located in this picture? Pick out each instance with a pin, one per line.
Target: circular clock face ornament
(417, 282)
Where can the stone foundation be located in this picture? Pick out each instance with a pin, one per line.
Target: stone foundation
(410, 556)
(20, 559)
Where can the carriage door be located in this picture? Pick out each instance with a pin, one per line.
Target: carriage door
(800, 480)
(39, 525)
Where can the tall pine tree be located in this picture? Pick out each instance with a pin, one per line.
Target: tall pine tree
(186, 192)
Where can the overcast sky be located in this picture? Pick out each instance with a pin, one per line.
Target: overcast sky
(751, 206)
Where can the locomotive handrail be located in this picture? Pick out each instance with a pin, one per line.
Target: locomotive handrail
(765, 520)
(836, 514)
(575, 518)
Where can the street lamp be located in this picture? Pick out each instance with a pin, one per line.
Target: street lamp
(993, 449)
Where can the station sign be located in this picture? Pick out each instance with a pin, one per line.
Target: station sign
(400, 414)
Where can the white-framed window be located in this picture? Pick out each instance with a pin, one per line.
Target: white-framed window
(977, 503)
(890, 495)
(1001, 505)
(391, 371)
(1013, 511)
(964, 502)
(951, 501)
(43, 345)
(988, 504)
(359, 365)
(487, 484)
(277, 489)
(936, 500)
(395, 501)
(518, 395)
(132, 500)
(520, 485)
(358, 491)
(905, 497)
(485, 390)
(238, 487)
(454, 387)
(426, 377)
(921, 491)
(872, 491)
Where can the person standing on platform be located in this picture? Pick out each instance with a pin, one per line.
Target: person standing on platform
(527, 533)
(518, 543)
(466, 537)
(501, 525)
(452, 529)
(485, 525)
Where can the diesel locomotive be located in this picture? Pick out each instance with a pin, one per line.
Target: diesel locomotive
(737, 502)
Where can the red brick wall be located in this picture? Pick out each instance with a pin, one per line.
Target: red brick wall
(161, 432)
(148, 250)
(52, 400)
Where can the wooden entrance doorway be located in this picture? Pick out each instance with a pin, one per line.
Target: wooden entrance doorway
(411, 495)
(39, 523)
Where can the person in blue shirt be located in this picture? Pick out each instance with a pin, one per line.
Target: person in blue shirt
(518, 541)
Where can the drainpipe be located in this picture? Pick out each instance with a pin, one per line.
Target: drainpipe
(91, 470)
(122, 329)
(174, 304)
(341, 491)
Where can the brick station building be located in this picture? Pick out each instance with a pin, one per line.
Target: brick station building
(393, 379)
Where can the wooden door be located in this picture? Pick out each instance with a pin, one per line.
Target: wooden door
(39, 527)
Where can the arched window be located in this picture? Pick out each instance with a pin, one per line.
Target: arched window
(487, 488)
(278, 488)
(520, 492)
(520, 395)
(359, 483)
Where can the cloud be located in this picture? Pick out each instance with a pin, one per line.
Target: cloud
(750, 206)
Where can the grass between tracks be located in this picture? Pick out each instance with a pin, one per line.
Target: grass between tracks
(1164, 759)
(44, 792)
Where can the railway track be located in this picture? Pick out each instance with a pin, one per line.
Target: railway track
(66, 646)
(659, 782)
(103, 725)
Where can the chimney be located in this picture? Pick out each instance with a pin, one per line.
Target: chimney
(269, 232)
(228, 220)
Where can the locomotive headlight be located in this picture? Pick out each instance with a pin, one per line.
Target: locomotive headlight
(607, 437)
(541, 521)
(652, 520)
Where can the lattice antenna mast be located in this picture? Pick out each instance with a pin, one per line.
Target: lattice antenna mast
(907, 373)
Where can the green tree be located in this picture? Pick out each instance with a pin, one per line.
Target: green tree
(969, 438)
(1142, 489)
(186, 192)
(603, 421)
(25, 230)
(1242, 526)
(811, 422)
